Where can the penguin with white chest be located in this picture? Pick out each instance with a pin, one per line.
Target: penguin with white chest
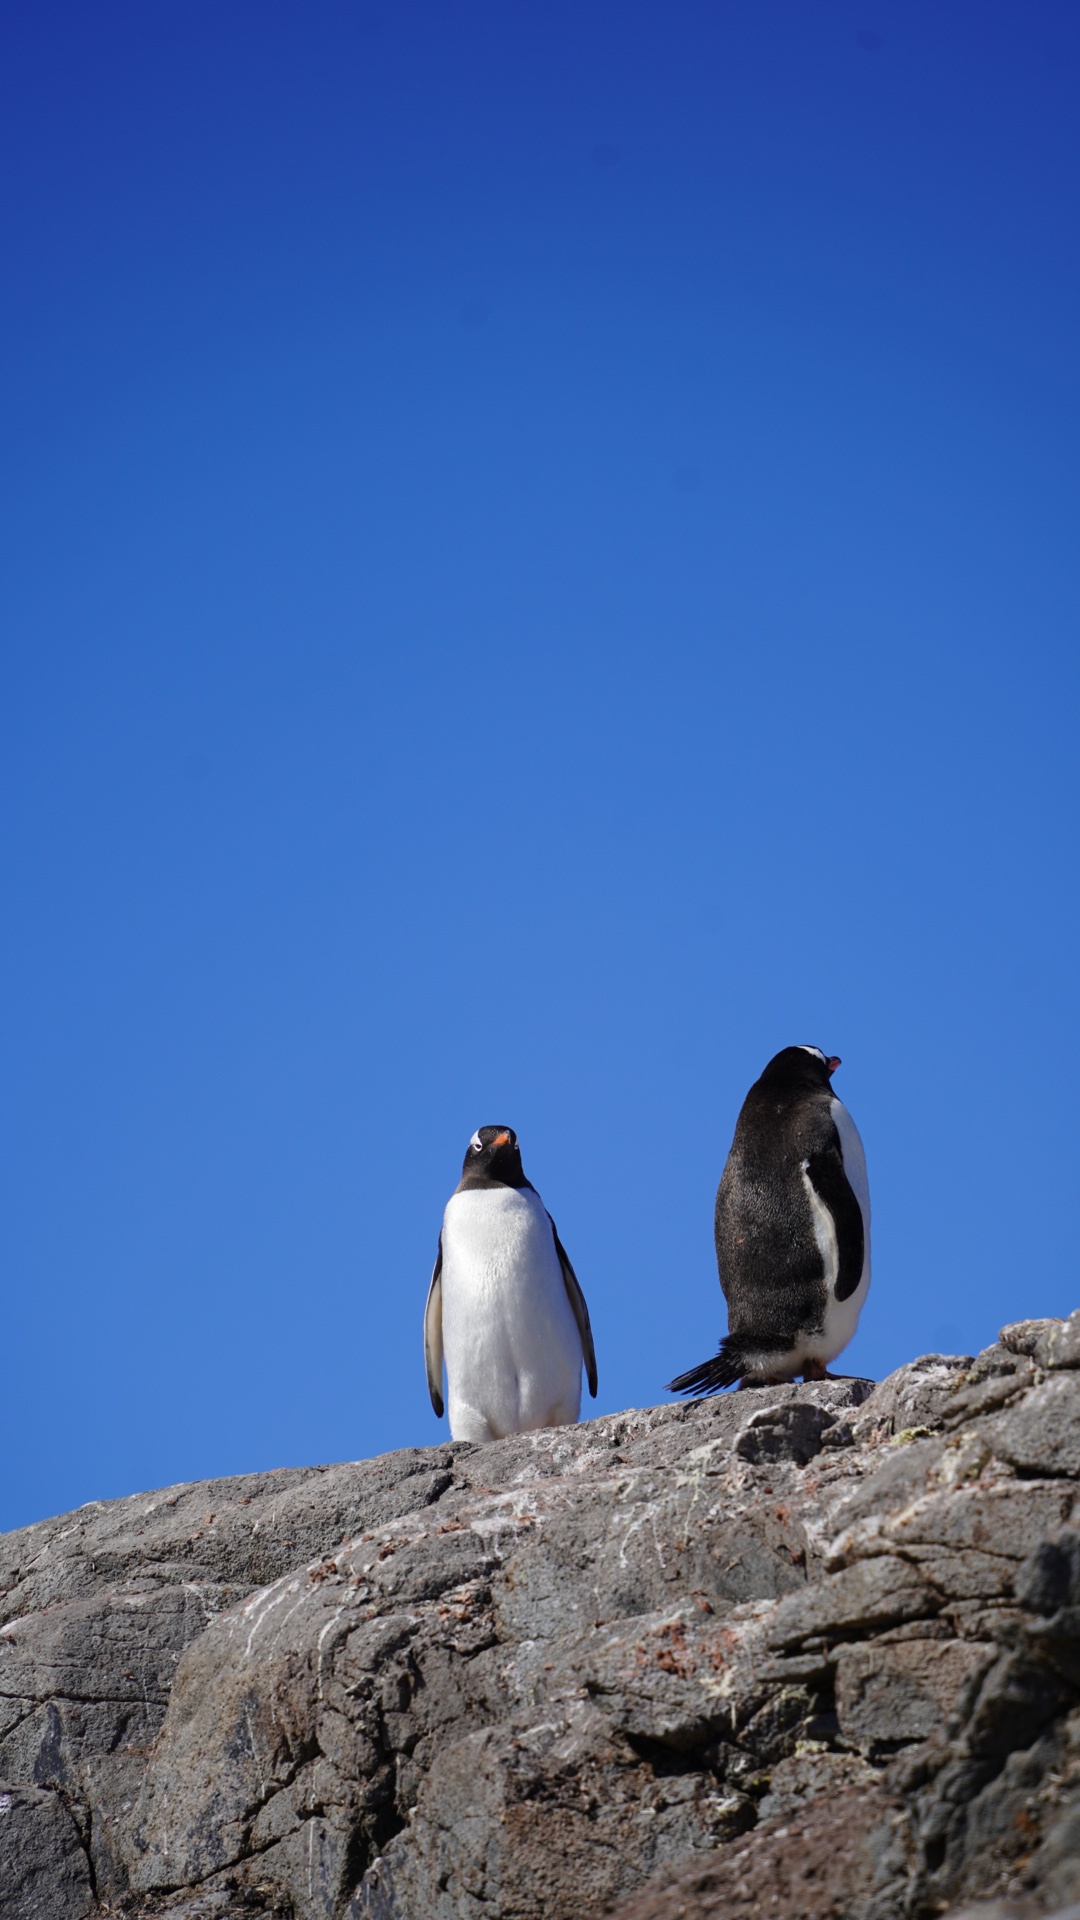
(792, 1229)
(504, 1307)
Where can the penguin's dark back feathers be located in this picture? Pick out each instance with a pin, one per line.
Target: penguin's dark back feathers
(769, 1263)
(791, 1229)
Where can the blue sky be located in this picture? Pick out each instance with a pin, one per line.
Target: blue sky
(539, 567)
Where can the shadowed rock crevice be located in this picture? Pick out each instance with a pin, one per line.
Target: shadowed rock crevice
(804, 1650)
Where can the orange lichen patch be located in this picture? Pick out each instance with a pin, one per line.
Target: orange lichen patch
(675, 1657)
(723, 1645)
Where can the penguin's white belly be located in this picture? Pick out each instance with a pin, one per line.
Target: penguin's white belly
(841, 1316)
(512, 1347)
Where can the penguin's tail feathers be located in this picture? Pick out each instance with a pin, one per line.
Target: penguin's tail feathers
(727, 1365)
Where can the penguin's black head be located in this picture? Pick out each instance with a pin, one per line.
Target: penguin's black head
(493, 1159)
(797, 1068)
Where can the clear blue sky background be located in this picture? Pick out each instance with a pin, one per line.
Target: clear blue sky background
(538, 567)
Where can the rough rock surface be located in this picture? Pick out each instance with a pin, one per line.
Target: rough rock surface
(803, 1651)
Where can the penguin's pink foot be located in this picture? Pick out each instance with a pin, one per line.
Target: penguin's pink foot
(815, 1370)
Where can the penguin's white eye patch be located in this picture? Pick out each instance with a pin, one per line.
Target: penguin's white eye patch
(476, 1143)
(816, 1051)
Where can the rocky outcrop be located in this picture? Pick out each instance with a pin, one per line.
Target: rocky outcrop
(805, 1651)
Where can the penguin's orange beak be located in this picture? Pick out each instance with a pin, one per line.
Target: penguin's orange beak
(502, 1139)
(833, 1062)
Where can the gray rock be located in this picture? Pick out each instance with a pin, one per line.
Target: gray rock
(1049, 1343)
(523, 1823)
(794, 1783)
(835, 1857)
(915, 1399)
(784, 1433)
(1020, 1695)
(1041, 1434)
(1011, 1910)
(90, 1678)
(872, 1594)
(887, 1695)
(812, 1650)
(1050, 1577)
(44, 1871)
(239, 1532)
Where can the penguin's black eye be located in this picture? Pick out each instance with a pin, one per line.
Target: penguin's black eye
(476, 1146)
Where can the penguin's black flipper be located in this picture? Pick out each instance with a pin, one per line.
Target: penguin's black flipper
(580, 1310)
(433, 1340)
(727, 1365)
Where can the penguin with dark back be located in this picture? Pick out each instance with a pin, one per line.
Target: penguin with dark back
(792, 1229)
